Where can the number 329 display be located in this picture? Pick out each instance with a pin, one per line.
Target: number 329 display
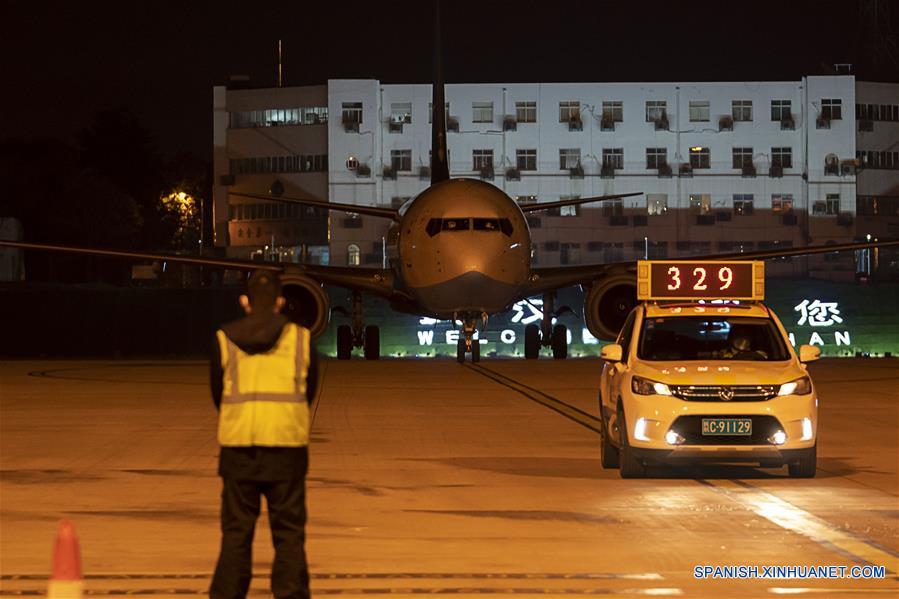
(701, 280)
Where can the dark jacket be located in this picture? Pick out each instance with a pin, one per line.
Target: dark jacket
(253, 334)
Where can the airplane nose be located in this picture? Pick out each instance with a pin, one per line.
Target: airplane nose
(472, 291)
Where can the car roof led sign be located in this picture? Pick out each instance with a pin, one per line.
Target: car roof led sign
(700, 280)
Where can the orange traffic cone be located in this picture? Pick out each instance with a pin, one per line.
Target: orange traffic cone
(66, 581)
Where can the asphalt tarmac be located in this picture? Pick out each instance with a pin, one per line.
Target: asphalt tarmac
(428, 477)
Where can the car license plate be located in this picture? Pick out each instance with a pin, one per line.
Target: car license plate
(727, 426)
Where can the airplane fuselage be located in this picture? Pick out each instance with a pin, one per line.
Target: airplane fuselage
(461, 247)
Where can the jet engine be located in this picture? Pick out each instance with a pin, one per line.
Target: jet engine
(307, 304)
(607, 303)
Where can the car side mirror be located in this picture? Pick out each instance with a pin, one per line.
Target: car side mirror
(611, 353)
(809, 353)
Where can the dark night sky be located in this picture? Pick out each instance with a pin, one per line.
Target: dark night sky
(63, 61)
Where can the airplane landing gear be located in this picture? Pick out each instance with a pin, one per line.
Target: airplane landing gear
(467, 342)
(546, 335)
(358, 335)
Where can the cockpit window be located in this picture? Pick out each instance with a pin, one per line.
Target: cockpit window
(493, 224)
(486, 224)
(435, 225)
(455, 224)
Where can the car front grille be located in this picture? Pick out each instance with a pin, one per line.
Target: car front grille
(690, 428)
(724, 392)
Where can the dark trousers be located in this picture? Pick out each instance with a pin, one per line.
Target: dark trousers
(287, 515)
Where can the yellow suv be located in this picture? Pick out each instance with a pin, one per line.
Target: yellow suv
(707, 381)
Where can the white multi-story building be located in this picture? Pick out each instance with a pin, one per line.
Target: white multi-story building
(723, 166)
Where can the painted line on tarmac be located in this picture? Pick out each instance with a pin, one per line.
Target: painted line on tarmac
(317, 400)
(377, 576)
(763, 503)
(788, 516)
(568, 411)
(826, 590)
(53, 373)
(651, 591)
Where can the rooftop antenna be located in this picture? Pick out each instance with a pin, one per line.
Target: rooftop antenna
(280, 67)
(439, 158)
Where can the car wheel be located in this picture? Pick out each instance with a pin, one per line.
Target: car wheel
(608, 452)
(629, 466)
(806, 465)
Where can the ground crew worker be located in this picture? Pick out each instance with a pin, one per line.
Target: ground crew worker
(263, 375)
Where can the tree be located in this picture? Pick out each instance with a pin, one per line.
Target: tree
(59, 202)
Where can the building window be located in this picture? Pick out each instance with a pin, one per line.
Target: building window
(613, 111)
(782, 203)
(743, 204)
(352, 113)
(353, 255)
(742, 110)
(700, 158)
(656, 110)
(279, 164)
(699, 111)
(742, 157)
(569, 111)
(570, 253)
(401, 112)
(613, 208)
(525, 200)
(352, 163)
(875, 159)
(878, 206)
(657, 203)
(401, 160)
(656, 157)
(431, 111)
(526, 160)
(569, 158)
(274, 117)
(780, 110)
(700, 203)
(574, 210)
(827, 207)
(526, 112)
(482, 112)
(881, 112)
(613, 158)
(482, 159)
(782, 157)
(831, 109)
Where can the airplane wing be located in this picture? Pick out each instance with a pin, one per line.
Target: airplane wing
(557, 277)
(375, 281)
(526, 208)
(365, 210)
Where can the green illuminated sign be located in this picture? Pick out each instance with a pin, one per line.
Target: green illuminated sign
(841, 318)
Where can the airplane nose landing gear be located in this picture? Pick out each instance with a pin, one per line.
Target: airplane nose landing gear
(467, 342)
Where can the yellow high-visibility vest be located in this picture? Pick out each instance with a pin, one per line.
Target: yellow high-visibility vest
(264, 396)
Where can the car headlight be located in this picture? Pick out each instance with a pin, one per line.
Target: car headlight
(642, 386)
(801, 386)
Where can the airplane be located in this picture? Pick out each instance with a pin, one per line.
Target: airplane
(460, 250)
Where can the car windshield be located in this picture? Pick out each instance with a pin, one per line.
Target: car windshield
(711, 338)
